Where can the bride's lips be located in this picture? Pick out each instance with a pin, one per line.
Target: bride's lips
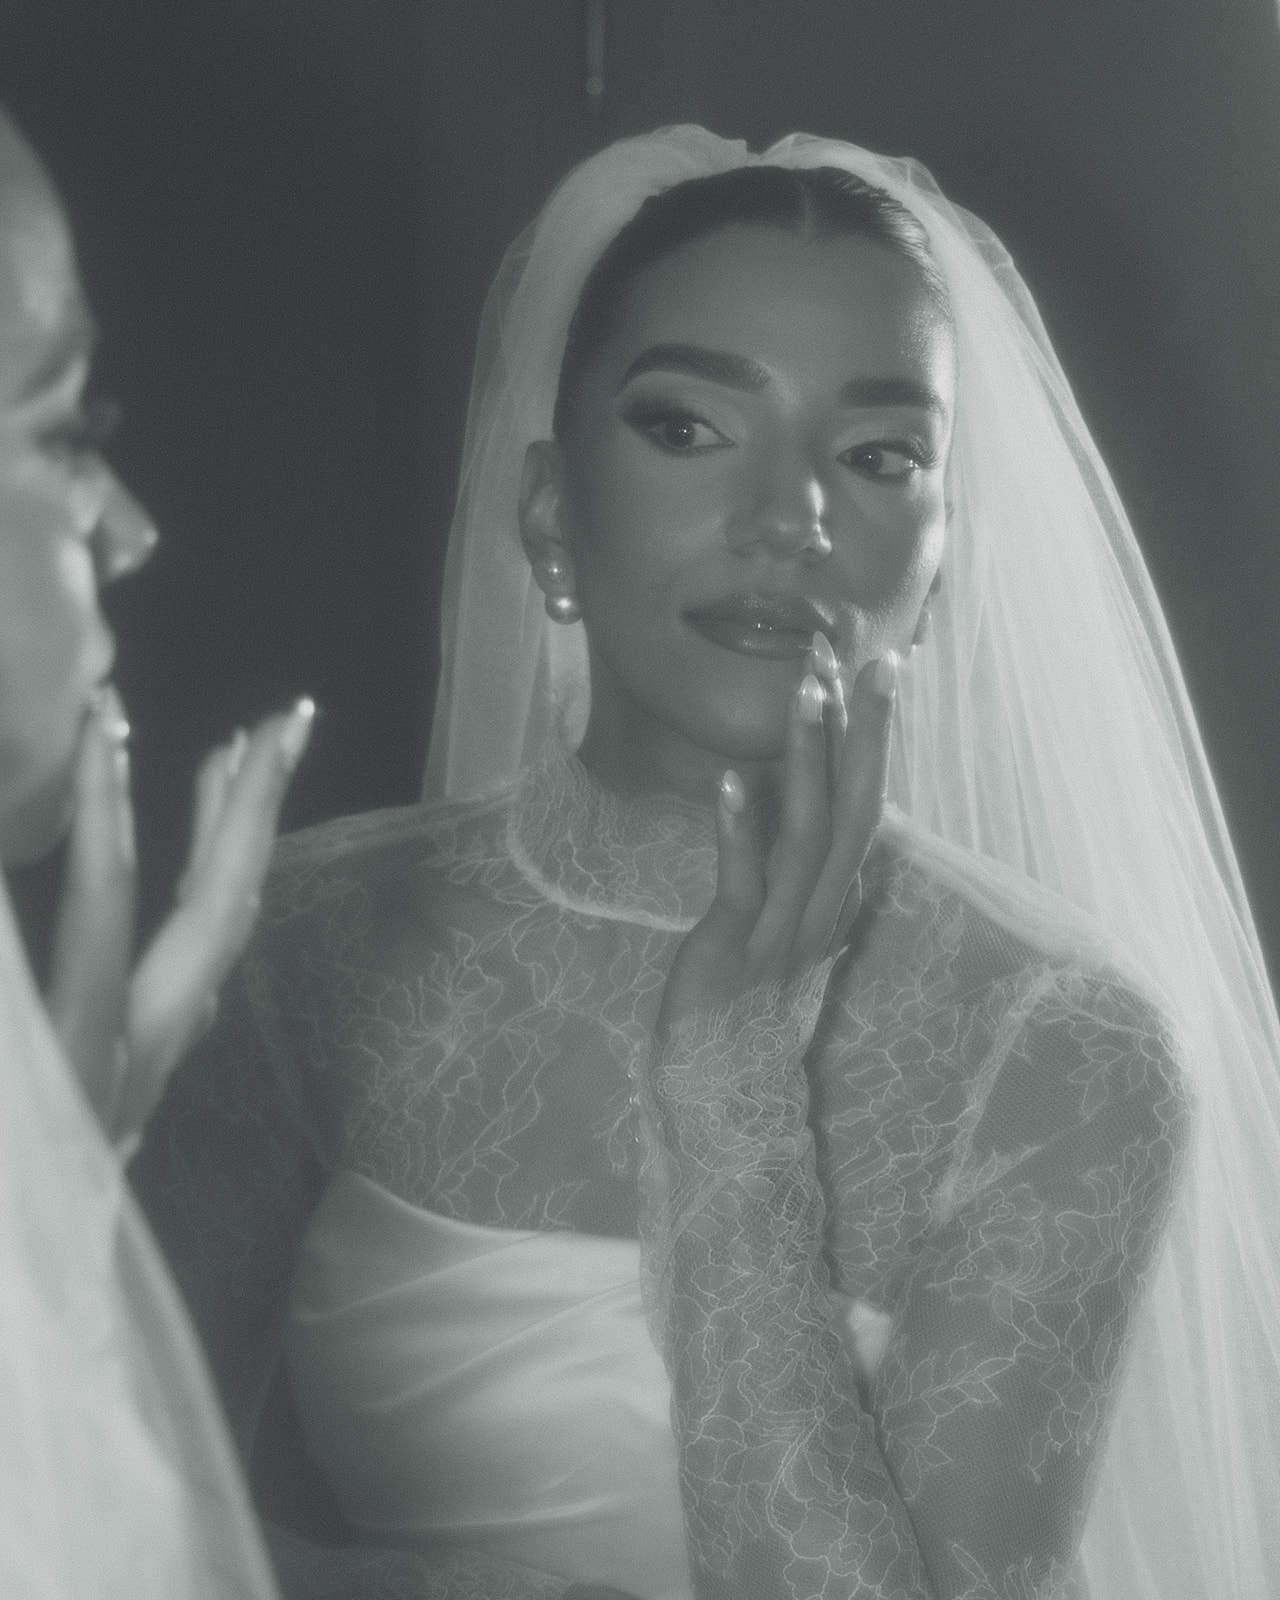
(772, 627)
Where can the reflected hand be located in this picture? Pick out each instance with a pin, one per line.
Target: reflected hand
(125, 1027)
(779, 910)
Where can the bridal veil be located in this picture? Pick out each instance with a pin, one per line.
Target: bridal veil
(1045, 725)
(117, 1477)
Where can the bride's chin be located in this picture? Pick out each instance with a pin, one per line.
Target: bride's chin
(746, 735)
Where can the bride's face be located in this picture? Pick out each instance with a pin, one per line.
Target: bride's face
(758, 450)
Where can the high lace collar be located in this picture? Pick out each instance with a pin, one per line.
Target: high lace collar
(649, 859)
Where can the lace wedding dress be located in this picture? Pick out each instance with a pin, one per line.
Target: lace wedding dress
(924, 1183)
(845, 1278)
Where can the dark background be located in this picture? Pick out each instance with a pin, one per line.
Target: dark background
(288, 211)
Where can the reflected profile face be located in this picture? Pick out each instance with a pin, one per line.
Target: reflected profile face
(66, 523)
(758, 451)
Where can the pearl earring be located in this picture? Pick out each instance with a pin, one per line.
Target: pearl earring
(562, 608)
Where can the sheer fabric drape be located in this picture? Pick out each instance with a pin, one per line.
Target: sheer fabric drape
(117, 1480)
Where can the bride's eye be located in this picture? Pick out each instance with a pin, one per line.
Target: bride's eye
(675, 429)
(889, 461)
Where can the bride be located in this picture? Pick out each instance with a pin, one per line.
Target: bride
(794, 1114)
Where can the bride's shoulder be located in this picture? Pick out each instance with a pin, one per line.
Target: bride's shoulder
(429, 831)
(381, 872)
(1036, 995)
(989, 923)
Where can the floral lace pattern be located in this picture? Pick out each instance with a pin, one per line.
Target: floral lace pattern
(1010, 1305)
(971, 1123)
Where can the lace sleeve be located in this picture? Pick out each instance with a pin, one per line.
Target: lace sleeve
(784, 1486)
(964, 1470)
(996, 1387)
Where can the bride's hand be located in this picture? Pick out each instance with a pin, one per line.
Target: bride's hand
(779, 910)
(125, 1027)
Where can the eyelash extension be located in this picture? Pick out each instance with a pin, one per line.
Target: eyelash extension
(646, 414)
(914, 449)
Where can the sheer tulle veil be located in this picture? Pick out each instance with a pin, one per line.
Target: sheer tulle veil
(1044, 725)
(117, 1478)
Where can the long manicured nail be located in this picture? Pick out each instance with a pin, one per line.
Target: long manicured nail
(884, 679)
(733, 797)
(822, 657)
(297, 731)
(809, 698)
(121, 561)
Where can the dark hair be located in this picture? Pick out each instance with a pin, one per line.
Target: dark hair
(814, 202)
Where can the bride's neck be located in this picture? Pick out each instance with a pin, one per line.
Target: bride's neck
(629, 752)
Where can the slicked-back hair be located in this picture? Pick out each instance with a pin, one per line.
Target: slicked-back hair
(812, 202)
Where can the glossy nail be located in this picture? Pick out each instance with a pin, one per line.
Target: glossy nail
(810, 698)
(297, 731)
(884, 680)
(126, 556)
(822, 657)
(733, 797)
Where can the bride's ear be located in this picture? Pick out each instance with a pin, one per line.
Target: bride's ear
(543, 530)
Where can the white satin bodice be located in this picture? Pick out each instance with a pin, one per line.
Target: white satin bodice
(487, 1387)
(495, 1388)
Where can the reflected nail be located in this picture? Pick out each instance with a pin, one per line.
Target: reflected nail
(810, 698)
(885, 677)
(733, 797)
(127, 557)
(297, 731)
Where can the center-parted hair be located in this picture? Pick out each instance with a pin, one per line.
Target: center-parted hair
(813, 202)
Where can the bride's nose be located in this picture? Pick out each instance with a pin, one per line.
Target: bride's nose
(786, 513)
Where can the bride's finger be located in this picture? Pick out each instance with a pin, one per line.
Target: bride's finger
(93, 938)
(740, 888)
(858, 806)
(825, 666)
(213, 783)
(709, 966)
(804, 834)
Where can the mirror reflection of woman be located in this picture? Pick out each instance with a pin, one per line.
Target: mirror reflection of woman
(738, 1140)
(116, 1476)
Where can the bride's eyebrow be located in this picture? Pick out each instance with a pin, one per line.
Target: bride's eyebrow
(741, 372)
(718, 366)
(892, 392)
